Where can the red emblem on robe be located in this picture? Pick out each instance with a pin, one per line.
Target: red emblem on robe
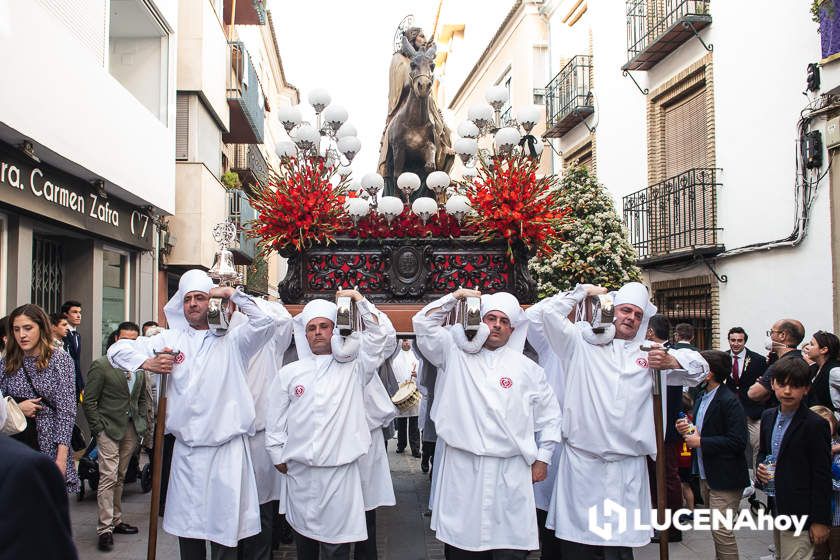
(299, 389)
(180, 358)
(506, 382)
(641, 362)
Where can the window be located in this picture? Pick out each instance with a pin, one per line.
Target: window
(685, 133)
(182, 127)
(47, 273)
(114, 292)
(506, 112)
(138, 53)
(689, 300)
(540, 73)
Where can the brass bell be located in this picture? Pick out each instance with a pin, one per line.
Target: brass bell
(223, 270)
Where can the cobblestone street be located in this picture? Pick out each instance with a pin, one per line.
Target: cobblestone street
(402, 531)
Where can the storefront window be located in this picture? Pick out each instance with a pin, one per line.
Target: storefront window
(114, 298)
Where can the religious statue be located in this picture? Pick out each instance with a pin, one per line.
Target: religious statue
(415, 138)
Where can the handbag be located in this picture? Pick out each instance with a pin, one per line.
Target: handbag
(15, 420)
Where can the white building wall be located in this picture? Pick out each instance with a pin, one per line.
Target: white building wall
(758, 99)
(62, 96)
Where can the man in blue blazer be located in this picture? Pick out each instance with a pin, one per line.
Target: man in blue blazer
(719, 441)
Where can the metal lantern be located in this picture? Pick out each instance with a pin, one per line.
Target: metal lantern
(372, 183)
(408, 183)
(424, 208)
(319, 99)
(458, 206)
(349, 146)
(358, 208)
(390, 207)
(289, 117)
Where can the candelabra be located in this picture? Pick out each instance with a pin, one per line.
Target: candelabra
(512, 137)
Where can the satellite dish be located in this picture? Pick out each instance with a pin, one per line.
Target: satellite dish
(406, 23)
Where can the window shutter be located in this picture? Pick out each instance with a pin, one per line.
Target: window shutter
(182, 127)
(685, 134)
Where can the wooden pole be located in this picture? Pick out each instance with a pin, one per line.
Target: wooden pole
(660, 455)
(660, 461)
(157, 462)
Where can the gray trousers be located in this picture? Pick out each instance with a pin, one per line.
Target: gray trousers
(258, 547)
(196, 549)
(309, 549)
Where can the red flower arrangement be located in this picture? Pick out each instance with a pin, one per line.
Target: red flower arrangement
(299, 207)
(511, 202)
(407, 224)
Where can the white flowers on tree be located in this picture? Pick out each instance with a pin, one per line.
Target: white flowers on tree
(594, 248)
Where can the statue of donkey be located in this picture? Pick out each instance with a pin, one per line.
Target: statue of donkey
(411, 134)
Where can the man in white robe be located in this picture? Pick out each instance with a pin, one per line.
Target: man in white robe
(212, 490)
(374, 469)
(405, 365)
(316, 428)
(262, 369)
(490, 400)
(607, 419)
(548, 360)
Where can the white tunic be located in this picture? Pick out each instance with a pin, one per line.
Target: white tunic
(487, 407)
(607, 425)
(404, 363)
(212, 492)
(262, 369)
(317, 426)
(554, 374)
(377, 487)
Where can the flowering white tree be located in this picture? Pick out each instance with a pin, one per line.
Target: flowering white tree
(593, 247)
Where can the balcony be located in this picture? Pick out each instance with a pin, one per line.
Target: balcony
(248, 12)
(240, 212)
(676, 219)
(245, 99)
(568, 99)
(656, 28)
(248, 161)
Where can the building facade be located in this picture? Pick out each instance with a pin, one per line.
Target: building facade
(87, 129)
(230, 76)
(701, 141)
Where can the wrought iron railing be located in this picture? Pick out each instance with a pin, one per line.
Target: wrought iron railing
(240, 212)
(568, 94)
(675, 217)
(649, 20)
(249, 161)
(243, 92)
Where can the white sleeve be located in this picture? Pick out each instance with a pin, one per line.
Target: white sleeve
(276, 433)
(254, 334)
(694, 368)
(129, 355)
(433, 340)
(547, 418)
(834, 383)
(536, 331)
(375, 338)
(562, 335)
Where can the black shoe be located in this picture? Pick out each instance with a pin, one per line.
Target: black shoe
(674, 536)
(415, 454)
(106, 542)
(424, 464)
(400, 450)
(126, 529)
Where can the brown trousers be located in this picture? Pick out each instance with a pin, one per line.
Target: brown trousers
(113, 462)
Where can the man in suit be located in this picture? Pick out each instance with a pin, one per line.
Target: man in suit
(747, 368)
(799, 442)
(719, 439)
(36, 517)
(73, 340)
(115, 406)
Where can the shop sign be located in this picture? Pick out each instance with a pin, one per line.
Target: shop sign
(43, 190)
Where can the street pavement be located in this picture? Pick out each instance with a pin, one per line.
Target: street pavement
(402, 531)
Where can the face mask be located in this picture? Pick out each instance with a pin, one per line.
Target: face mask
(769, 344)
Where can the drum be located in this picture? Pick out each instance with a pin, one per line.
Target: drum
(407, 396)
